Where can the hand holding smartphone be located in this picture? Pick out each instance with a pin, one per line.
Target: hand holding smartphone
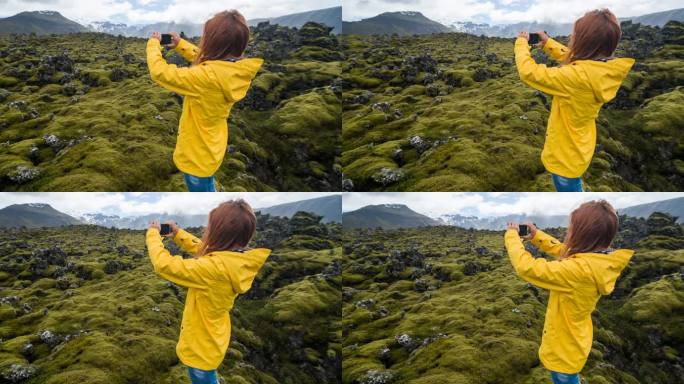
(523, 230)
(534, 38)
(165, 229)
(166, 39)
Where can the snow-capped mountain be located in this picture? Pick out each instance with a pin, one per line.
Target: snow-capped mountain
(470, 27)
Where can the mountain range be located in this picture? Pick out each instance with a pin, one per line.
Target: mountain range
(43, 215)
(33, 215)
(330, 207)
(402, 23)
(415, 23)
(393, 216)
(47, 22)
(39, 22)
(387, 216)
(332, 17)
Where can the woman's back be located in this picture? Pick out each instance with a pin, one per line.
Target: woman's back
(579, 90)
(210, 90)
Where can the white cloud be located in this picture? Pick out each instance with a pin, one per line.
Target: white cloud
(149, 11)
(435, 204)
(504, 11)
(135, 204)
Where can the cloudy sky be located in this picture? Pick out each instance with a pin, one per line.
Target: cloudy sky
(150, 11)
(136, 204)
(504, 11)
(497, 204)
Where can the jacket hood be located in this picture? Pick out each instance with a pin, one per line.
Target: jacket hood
(605, 77)
(234, 78)
(242, 267)
(606, 267)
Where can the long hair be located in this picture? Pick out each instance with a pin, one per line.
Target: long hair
(593, 227)
(225, 35)
(594, 36)
(231, 226)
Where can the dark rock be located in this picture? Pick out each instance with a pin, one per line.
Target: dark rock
(472, 268)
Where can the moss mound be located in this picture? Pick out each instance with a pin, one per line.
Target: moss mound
(443, 305)
(82, 304)
(448, 112)
(71, 116)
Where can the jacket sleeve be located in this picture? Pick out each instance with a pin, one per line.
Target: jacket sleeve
(556, 50)
(184, 81)
(556, 275)
(548, 244)
(191, 273)
(188, 50)
(187, 241)
(553, 81)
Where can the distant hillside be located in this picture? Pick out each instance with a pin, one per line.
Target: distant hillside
(34, 216)
(39, 22)
(332, 17)
(330, 207)
(142, 222)
(387, 216)
(189, 29)
(499, 223)
(674, 207)
(659, 18)
(47, 22)
(557, 29)
(401, 23)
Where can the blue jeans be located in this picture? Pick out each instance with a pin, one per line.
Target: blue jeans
(562, 378)
(198, 376)
(199, 184)
(564, 184)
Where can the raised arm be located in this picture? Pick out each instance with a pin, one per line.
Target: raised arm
(553, 275)
(195, 273)
(548, 244)
(187, 241)
(556, 50)
(184, 81)
(554, 81)
(188, 50)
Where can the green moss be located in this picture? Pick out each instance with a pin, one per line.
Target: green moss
(499, 121)
(109, 140)
(121, 327)
(463, 327)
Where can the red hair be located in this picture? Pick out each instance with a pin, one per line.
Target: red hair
(225, 35)
(231, 226)
(594, 36)
(593, 227)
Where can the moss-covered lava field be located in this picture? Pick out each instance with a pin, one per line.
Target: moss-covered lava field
(81, 304)
(79, 112)
(449, 112)
(442, 305)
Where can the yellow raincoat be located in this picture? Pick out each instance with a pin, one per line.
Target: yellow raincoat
(575, 283)
(579, 90)
(213, 282)
(210, 90)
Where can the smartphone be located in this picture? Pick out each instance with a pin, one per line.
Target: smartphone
(523, 230)
(534, 38)
(165, 229)
(166, 39)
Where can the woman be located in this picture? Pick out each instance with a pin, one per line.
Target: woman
(585, 269)
(222, 269)
(588, 77)
(218, 78)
